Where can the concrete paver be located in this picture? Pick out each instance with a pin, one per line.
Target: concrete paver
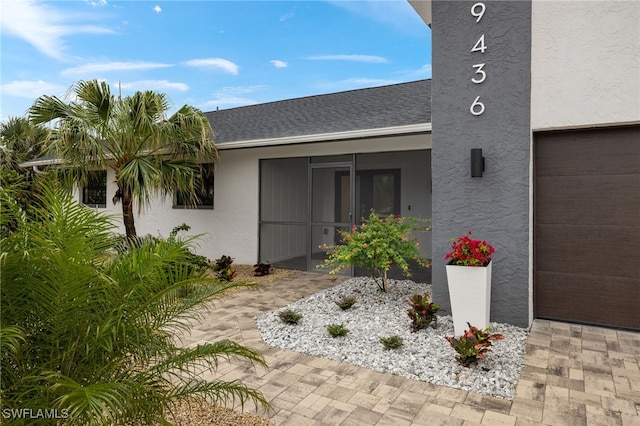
(572, 375)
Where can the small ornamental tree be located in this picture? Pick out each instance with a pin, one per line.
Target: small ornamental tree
(376, 246)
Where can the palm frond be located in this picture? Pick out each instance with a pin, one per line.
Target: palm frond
(97, 97)
(11, 338)
(220, 393)
(48, 108)
(88, 404)
(89, 326)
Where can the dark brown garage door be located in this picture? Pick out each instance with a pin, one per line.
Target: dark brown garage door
(587, 226)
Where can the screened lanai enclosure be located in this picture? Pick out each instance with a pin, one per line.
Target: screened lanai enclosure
(306, 201)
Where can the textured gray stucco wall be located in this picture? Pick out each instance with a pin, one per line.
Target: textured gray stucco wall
(496, 206)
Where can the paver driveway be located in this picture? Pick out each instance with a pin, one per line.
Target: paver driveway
(573, 375)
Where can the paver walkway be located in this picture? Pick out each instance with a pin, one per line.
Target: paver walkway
(573, 375)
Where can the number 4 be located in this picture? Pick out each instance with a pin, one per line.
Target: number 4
(479, 46)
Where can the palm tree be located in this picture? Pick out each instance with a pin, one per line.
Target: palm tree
(20, 141)
(88, 330)
(148, 151)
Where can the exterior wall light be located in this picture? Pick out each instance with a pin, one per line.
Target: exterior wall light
(477, 162)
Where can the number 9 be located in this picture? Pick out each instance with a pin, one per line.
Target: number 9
(480, 14)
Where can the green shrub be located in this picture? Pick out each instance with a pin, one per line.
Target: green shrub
(422, 311)
(378, 244)
(345, 302)
(392, 342)
(289, 316)
(199, 263)
(473, 344)
(337, 330)
(90, 330)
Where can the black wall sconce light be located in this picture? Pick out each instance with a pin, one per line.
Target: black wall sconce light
(477, 162)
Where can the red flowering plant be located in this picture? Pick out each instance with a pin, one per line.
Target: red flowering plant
(466, 251)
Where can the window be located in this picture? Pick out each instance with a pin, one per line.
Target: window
(94, 194)
(375, 189)
(378, 190)
(205, 192)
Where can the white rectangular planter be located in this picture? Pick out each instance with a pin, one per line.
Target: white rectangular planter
(470, 295)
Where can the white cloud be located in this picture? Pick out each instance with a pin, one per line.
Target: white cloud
(96, 2)
(219, 63)
(94, 68)
(157, 9)
(398, 15)
(278, 64)
(228, 102)
(156, 85)
(423, 72)
(356, 83)
(31, 89)
(286, 17)
(354, 58)
(230, 97)
(42, 26)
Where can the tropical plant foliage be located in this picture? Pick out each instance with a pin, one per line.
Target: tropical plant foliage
(392, 342)
(20, 141)
(345, 302)
(289, 316)
(376, 246)
(148, 151)
(90, 330)
(337, 330)
(422, 311)
(222, 268)
(473, 344)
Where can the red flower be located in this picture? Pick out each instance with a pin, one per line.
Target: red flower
(468, 252)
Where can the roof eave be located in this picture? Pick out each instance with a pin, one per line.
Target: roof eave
(423, 7)
(41, 162)
(323, 137)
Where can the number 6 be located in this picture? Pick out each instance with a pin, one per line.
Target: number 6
(477, 107)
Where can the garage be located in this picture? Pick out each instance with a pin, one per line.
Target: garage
(587, 226)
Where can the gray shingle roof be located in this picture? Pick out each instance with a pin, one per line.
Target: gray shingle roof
(377, 107)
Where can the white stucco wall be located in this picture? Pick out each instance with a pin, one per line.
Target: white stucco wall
(585, 63)
(231, 228)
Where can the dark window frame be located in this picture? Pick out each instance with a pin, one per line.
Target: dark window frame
(208, 183)
(94, 193)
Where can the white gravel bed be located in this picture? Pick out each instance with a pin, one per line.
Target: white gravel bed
(425, 355)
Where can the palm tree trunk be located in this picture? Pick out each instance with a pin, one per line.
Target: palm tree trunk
(127, 213)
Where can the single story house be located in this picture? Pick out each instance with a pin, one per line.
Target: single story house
(292, 173)
(549, 91)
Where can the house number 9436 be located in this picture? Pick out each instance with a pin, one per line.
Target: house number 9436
(477, 107)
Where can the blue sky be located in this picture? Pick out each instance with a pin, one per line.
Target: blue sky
(208, 54)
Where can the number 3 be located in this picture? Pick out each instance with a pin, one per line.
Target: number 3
(483, 75)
